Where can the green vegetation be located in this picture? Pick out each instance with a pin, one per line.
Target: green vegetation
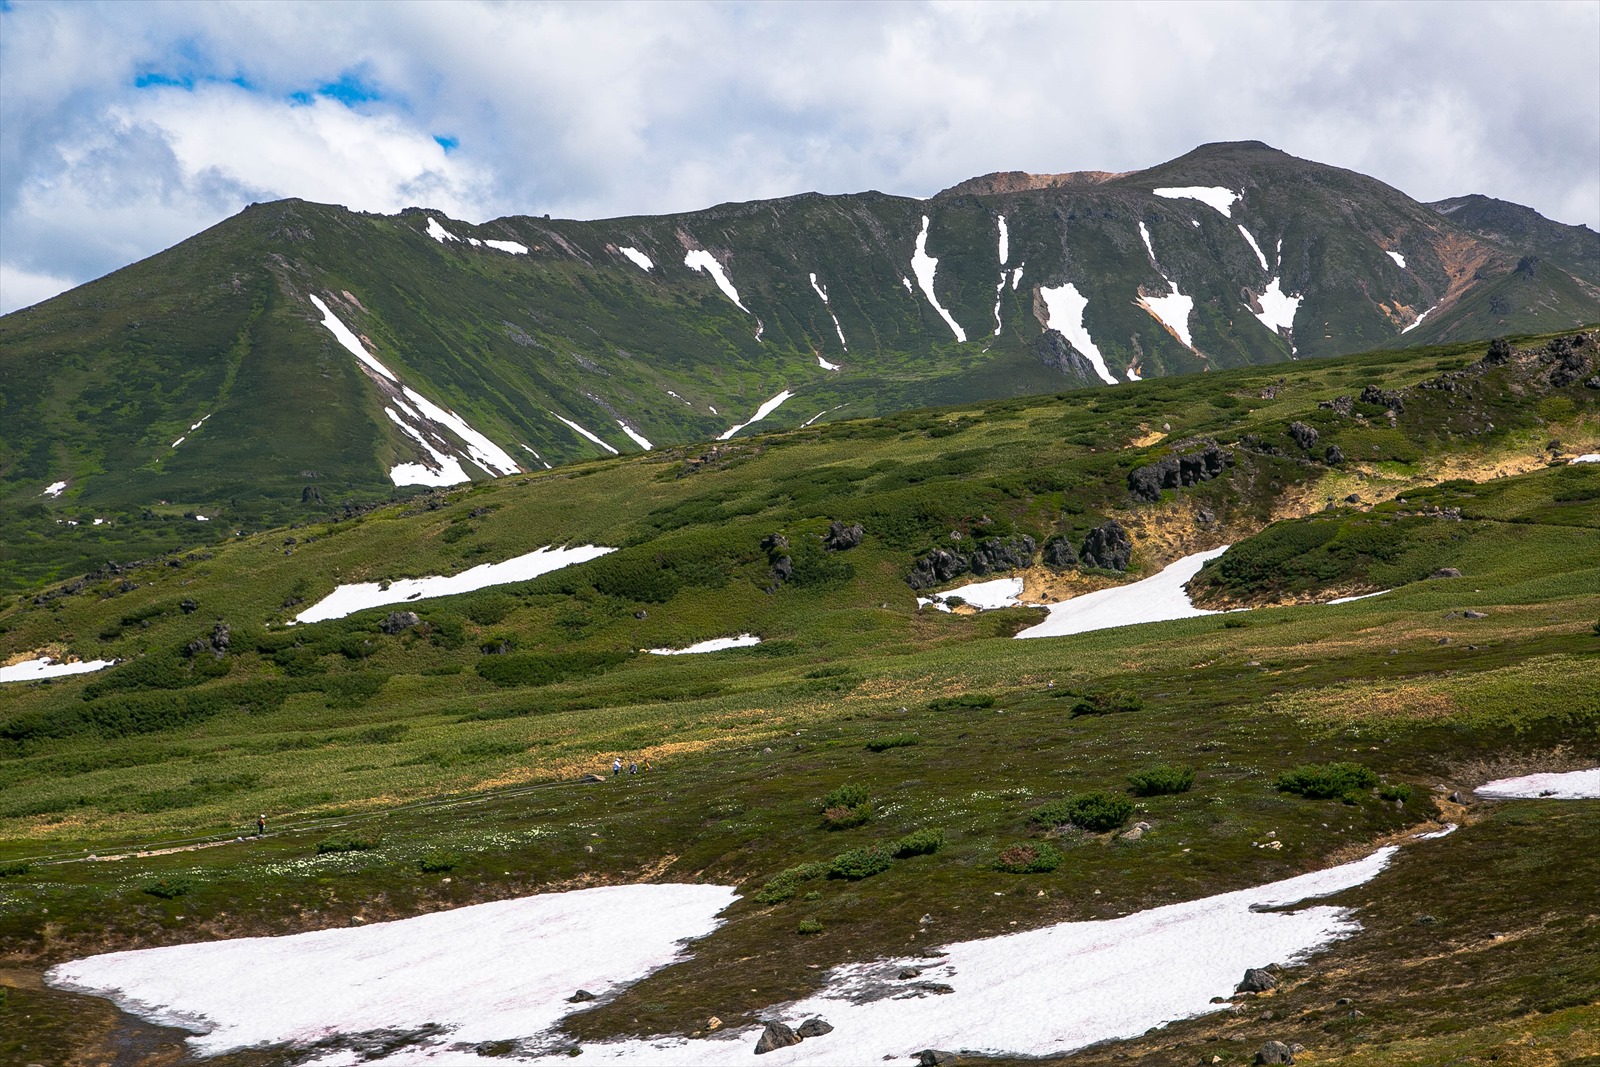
(1161, 781)
(1028, 858)
(884, 744)
(858, 863)
(1327, 780)
(1097, 812)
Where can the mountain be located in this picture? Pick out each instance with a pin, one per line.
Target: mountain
(299, 358)
(871, 781)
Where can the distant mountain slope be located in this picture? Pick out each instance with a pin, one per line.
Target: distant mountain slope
(298, 357)
(1575, 249)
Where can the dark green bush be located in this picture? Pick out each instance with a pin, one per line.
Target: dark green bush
(1395, 791)
(534, 669)
(1108, 703)
(970, 702)
(169, 888)
(858, 863)
(345, 843)
(919, 843)
(1032, 858)
(11, 870)
(883, 744)
(1096, 812)
(845, 796)
(438, 863)
(1323, 781)
(1158, 781)
(783, 885)
(809, 926)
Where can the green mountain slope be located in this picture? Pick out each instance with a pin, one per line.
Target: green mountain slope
(526, 342)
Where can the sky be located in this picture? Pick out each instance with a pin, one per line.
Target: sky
(126, 127)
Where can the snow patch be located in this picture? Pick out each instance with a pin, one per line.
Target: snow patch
(1353, 599)
(643, 261)
(907, 283)
(359, 596)
(837, 328)
(1155, 599)
(45, 667)
(761, 412)
(484, 452)
(536, 456)
(1172, 310)
(1005, 241)
(716, 644)
(54, 489)
(1064, 307)
(985, 596)
(1418, 320)
(180, 441)
(446, 471)
(924, 266)
(514, 247)
(1397, 257)
(1016, 278)
(1448, 829)
(825, 365)
(484, 971)
(700, 259)
(1277, 308)
(1573, 785)
(350, 341)
(1262, 256)
(585, 433)
(1215, 195)
(198, 518)
(1587, 457)
(1133, 375)
(437, 232)
(635, 436)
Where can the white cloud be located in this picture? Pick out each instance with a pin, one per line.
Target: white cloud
(593, 110)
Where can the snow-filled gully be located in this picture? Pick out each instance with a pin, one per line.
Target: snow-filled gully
(1172, 310)
(1064, 307)
(823, 293)
(924, 267)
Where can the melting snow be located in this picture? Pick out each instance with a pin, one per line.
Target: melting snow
(1005, 241)
(1262, 256)
(1397, 257)
(1418, 320)
(825, 365)
(513, 247)
(1133, 375)
(362, 595)
(637, 437)
(1574, 785)
(180, 441)
(761, 412)
(485, 971)
(1587, 457)
(45, 667)
(1215, 195)
(907, 283)
(350, 341)
(437, 232)
(1016, 278)
(700, 259)
(837, 328)
(1353, 599)
(985, 596)
(538, 457)
(580, 430)
(924, 266)
(638, 257)
(716, 644)
(202, 518)
(1155, 599)
(1173, 310)
(447, 469)
(1064, 306)
(1277, 308)
(54, 489)
(1448, 829)
(484, 452)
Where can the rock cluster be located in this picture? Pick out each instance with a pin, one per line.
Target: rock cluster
(1176, 472)
(986, 557)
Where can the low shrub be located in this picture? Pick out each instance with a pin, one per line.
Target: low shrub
(1028, 859)
(859, 863)
(1323, 781)
(809, 926)
(970, 702)
(1097, 812)
(169, 888)
(1113, 702)
(438, 863)
(919, 843)
(783, 885)
(1396, 791)
(884, 744)
(11, 870)
(345, 843)
(845, 796)
(842, 818)
(1160, 781)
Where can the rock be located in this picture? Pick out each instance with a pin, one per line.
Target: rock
(1446, 572)
(1303, 435)
(776, 1035)
(1205, 517)
(1499, 351)
(909, 972)
(582, 996)
(641, 614)
(399, 621)
(1384, 398)
(713, 1023)
(592, 778)
(1177, 472)
(188, 607)
(1457, 798)
(1334, 455)
(815, 1027)
(782, 568)
(1107, 546)
(1057, 353)
(1469, 614)
(1059, 553)
(842, 538)
(310, 495)
(1131, 835)
(1275, 1052)
(1257, 980)
(774, 542)
(988, 556)
(936, 1057)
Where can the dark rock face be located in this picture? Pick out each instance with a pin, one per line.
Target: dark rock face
(987, 557)
(1175, 472)
(1257, 980)
(1303, 435)
(815, 1027)
(217, 644)
(1341, 405)
(1334, 455)
(310, 495)
(1059, 553)
(1572, 364)
(1275, 1052)
(398, 621)
(188, 607)
(1446, 572)
(581, 996)
(1499, 351)
(1384, 398)
(1108, 547)
(1057, 353)
(776, 1035)
(936, 1057)
(842, 538)
(781, 564)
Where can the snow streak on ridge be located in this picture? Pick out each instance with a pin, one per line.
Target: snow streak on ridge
(700, 259)
(584, 433)
(762, 412)
(1065, 307)
(924, 266)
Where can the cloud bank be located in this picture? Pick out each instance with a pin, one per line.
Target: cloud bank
(125, 128)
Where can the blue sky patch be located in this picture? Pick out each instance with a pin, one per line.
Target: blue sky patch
(155, 79)
(449, 144)
(350, 90)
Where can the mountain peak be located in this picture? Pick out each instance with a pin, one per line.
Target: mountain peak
(1017, 181)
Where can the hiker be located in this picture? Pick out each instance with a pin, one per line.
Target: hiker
(633, 768)
(616, 766)
(261, 826)
(647, 763)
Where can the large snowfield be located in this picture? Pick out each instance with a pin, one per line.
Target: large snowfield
(1155, 599)
(44, 667)
(1573, 785)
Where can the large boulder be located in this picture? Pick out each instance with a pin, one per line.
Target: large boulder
(1275, 1052)
(776, 1035)
(1303, 435)
(1059, 553)
(1108, 546)
(1177, 472)
(399, 621)
(987, 557)
(842, 538)
(1384, 398)
(1257, 980)
(814, 1027)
